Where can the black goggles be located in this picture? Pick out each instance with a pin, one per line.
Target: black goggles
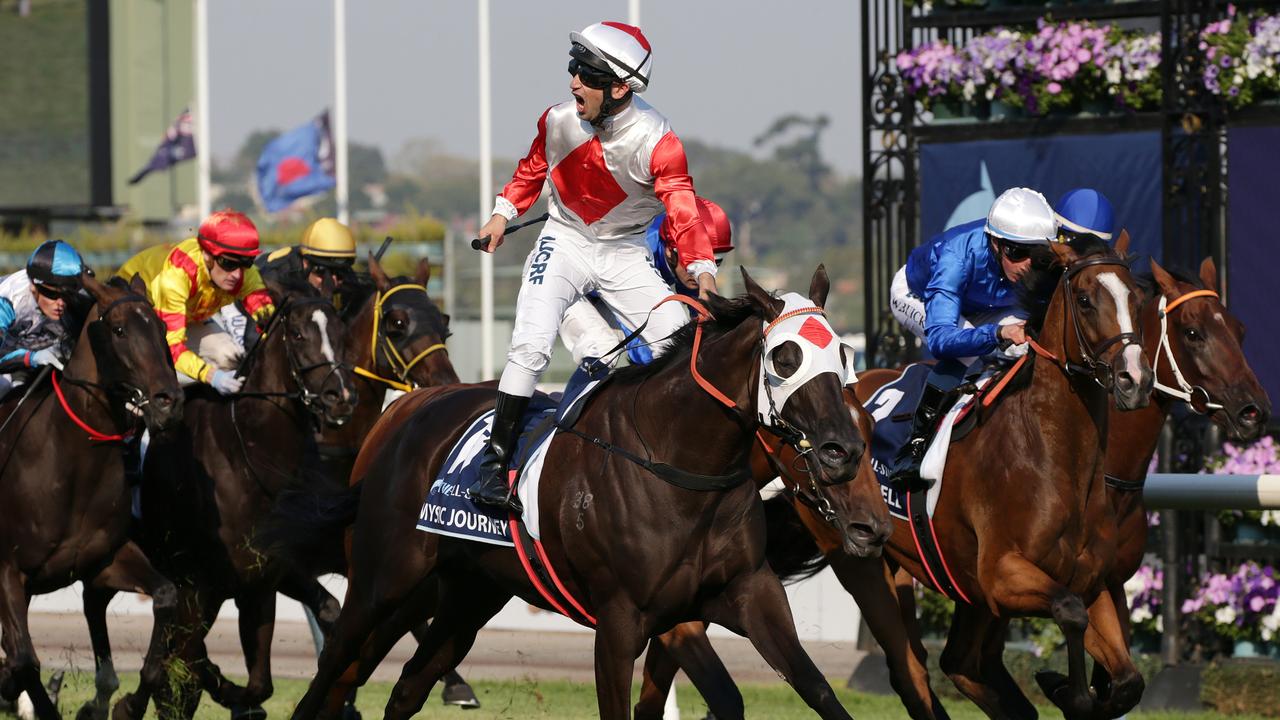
(54, 293)
(1014, 252)
(232, 263)
(592, 77)
(325, 269)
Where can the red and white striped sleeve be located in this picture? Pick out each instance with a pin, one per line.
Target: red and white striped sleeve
(674, 187)
(526, 183)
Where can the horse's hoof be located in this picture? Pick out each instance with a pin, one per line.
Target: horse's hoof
(89, 711)
(460, 695)
(349, 712)
(248, 713)
(124, 709)
(1057, 688)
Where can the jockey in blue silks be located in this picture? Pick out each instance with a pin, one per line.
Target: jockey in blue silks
(35, 329)
(959, 293)
(1085, 211)
(590, 330)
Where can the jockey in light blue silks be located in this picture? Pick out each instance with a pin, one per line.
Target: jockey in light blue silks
(959, 293)
(34, 328)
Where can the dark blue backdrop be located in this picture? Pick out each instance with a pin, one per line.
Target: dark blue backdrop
(1253, 154)
(959, 181)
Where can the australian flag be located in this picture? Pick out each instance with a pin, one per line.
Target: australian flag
(178, 145)
(296, 164)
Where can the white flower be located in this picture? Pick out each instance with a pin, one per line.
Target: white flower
(1141, 614)
(1160, 623)
(1225, 615)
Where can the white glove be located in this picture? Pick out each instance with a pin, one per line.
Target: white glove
(225, 382)
(47, 356)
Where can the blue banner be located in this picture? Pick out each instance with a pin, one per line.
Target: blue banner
(959, 181)
(296, 164)
(1253, 154)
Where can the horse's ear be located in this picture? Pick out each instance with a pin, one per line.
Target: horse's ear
(760, 297)
(424, 272)
(274, 289)
(1122, 244)
(1208, 274)
(137, 285)
(379, 277)
(819, 286)
(1167, 284)
(96, 290)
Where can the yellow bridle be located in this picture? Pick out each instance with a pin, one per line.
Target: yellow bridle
(396, 360)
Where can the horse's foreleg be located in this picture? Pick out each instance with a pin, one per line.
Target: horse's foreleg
(620, 638)
(257, 626)
(1018, 586)
(22, 667)
(962, 660)
(1107, 640)
(105, 681)
(464, 605)
(686, 647)
(756, 605)
(890, 615)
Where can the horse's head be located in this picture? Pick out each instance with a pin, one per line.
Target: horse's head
(1200, 358)
(1100, 313)
(409, 331)
(800, 398)
(308, 333)
(131, 354)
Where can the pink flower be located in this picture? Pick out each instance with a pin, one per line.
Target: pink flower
(1053, 88)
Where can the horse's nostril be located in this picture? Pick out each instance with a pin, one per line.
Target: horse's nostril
(1250, 414)
(833, 453)
(1124, 381)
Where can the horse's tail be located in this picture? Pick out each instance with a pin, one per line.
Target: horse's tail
(790, 549)
(307, 527)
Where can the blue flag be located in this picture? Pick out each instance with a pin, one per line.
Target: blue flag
(296, 164)
(178, 145)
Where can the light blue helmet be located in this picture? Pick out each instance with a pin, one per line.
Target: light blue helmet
(1086, 211)
(57, 264)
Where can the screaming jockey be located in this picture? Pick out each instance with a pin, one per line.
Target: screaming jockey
(191, 281)
(614, 164)
(34, 314)
(959, 293)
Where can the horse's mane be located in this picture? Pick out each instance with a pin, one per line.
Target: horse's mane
(1035, 291)
(729, 314)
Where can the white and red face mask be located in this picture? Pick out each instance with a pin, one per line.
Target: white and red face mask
(805, 324)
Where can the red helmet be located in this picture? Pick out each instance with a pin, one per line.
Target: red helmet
(716, 223)
(228, 232)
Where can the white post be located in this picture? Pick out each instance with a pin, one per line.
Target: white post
(633, 12)
(340, 109)
(486, 196)
(204, 148)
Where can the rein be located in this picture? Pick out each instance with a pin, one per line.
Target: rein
(398, 364)
(94, 435)
(1194, 396)
(1090, 365)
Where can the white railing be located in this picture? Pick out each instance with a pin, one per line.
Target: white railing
(1185, 491)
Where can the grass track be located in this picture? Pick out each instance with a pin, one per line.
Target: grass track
(577, 701)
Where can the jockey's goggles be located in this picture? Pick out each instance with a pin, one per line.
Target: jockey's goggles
(593, 78)
(335, 266)
(1013, 252)
(232, 263)
(53, 292)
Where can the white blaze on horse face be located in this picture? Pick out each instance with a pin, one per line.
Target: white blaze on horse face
(319, 318)
(1132, 351)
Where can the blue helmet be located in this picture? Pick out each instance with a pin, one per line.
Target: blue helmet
(1085, 210)
(57, 264)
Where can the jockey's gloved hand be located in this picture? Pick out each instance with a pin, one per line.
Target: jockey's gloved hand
(47, 356)
(225, 382)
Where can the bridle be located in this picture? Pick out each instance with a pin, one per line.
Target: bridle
(131, 394)
(1194, 396)
(378, 338)
(1090, 365)
(308, 398)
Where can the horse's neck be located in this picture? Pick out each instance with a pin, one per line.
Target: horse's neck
(90, 403)
(270, 374)
(360, 348)
(1138, 431)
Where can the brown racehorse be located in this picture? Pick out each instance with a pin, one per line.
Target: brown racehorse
(207, 490)
(647, 556)
(63, 484)
(1023, 520)
(1199, 338)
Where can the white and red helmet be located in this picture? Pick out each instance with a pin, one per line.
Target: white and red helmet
(624, 48)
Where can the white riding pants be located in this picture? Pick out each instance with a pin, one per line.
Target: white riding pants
(908, 309)
(214, 346)
(564, 265)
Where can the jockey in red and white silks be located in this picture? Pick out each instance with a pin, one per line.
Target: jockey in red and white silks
(614, 164)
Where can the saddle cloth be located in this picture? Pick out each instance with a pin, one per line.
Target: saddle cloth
(449, 511)
(892, 407)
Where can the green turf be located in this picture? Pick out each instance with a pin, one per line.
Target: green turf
(571, 701)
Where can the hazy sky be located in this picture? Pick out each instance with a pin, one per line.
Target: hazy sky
(723, 69)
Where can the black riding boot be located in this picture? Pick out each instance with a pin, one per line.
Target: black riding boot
(906, 466)
(492, 488)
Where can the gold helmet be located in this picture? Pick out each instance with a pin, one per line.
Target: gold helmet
(328, 238)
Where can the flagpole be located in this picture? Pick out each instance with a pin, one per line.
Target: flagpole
(204, 151)
(340, 108)
(486, 196)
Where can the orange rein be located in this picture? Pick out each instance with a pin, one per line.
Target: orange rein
(999, 387)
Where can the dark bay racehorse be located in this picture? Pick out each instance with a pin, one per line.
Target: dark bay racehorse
(62, 484)
(206, 491)
(647, 556)
(1023, 519)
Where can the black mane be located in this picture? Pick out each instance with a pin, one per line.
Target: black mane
(729, 314)
(1036, 289)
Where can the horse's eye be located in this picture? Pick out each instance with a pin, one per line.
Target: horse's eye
(1084, 302)
(1192, 334)
(118, 330)
(398, 323)
(297, 335)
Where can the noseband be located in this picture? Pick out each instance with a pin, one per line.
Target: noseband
(399, 366)
(1091, 363)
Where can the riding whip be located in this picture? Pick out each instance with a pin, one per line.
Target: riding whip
(40, 376)
(478, 244)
